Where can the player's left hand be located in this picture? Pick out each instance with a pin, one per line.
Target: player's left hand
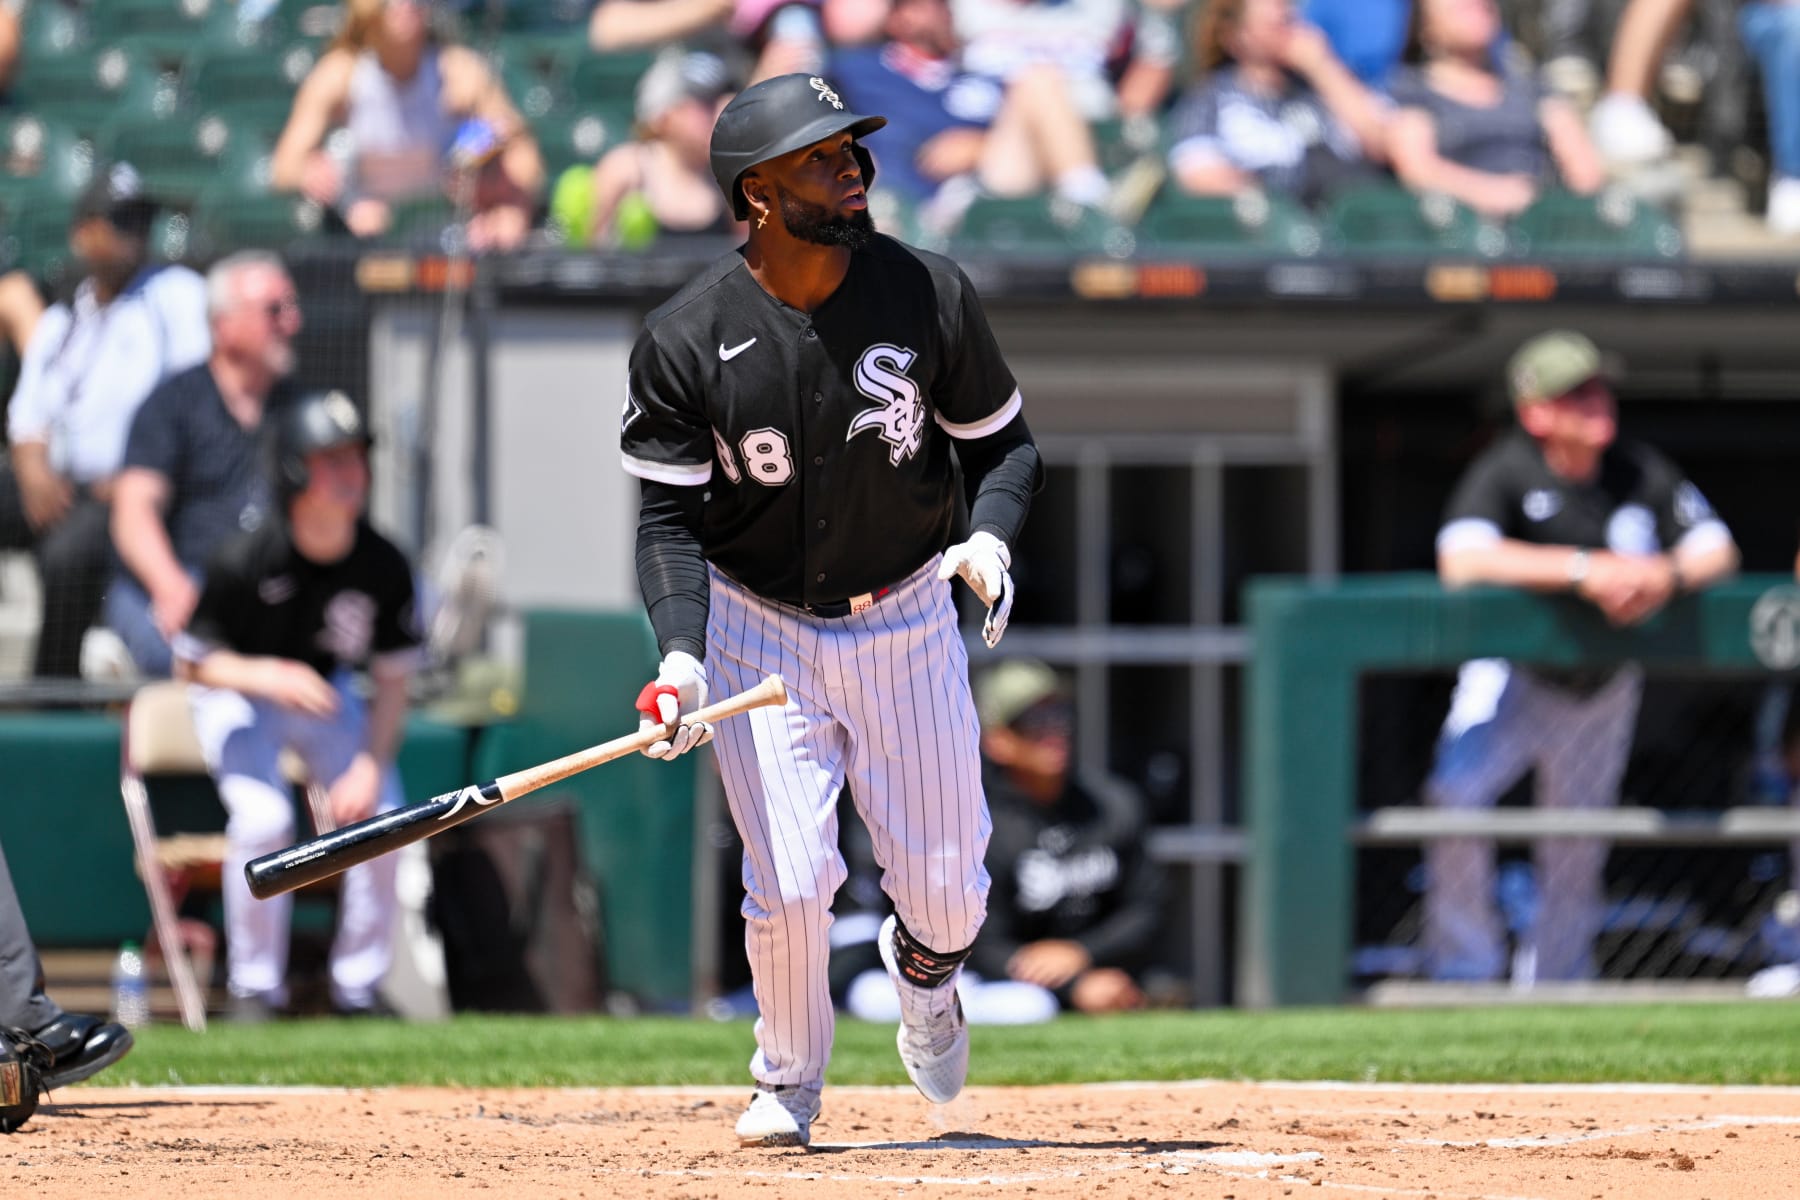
(680, 687)
(984, 561)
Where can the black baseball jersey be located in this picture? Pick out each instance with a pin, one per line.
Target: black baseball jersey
(261, 597)
(1639, 504)
(827, 431)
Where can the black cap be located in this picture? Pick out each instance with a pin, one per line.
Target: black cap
(779, 116)
(309, 423)
(116, 194)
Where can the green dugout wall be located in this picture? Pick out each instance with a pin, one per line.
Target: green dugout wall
(1312, 641)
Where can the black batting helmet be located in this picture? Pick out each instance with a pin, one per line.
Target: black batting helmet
(312, 422)
(778, 116)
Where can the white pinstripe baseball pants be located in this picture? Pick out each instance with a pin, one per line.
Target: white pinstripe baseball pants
(882, 698)
(1502, 723)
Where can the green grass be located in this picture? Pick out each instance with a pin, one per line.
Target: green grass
(1714, 1044)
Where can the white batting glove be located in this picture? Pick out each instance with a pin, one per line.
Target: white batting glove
(983, 562)
(680, 687)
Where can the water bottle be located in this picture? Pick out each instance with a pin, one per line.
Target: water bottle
(131, 992)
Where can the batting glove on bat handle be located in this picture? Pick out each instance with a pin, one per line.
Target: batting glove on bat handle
(984, 561)
(679, 687)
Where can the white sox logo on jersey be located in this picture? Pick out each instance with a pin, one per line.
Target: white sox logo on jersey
(881, 376)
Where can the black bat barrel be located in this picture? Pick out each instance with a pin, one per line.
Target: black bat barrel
(330, 853)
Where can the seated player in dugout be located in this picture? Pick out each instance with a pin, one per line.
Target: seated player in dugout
(1076, 904)
(288, 614)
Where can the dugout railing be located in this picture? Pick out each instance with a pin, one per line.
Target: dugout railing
(1314, 643)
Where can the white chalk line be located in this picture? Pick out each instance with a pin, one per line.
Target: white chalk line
(1723, 1121)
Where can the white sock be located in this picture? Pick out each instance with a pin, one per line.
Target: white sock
(1083, 185)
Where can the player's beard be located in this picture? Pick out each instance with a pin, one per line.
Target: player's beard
(815, 223)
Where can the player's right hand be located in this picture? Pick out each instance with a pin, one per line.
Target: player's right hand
(679, 687)
(984, 562)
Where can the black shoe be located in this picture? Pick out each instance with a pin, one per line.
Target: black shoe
(81, 1046)
(252, 1010)
(374, 1008)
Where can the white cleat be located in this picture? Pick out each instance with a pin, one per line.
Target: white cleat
(779, 1116)
(936, 1052)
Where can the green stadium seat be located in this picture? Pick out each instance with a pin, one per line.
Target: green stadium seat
(536, 16)
(534, 93)
(158, 32)
(251, 86)
(1036, 226)
(34, 235)
(37, 155)
(609, 79)
(1255, 223)
(580, 135)
(1610, 225)
(180, 159)
(52, 30)
(1119, 143)
(551, 54)
(1380, 219)
(231, 218)
(85, 91)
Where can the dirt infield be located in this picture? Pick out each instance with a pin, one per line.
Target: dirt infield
(1242, 1141)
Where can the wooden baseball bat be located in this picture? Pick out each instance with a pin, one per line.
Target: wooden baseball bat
(329, 853)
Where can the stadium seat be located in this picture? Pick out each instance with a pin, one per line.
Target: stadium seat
(1255, 222)
(52, 30)
(180, 159)
(1119, 143)
(535, 16)
(158, 32)
(34, 234)
(37, 155)
(86, 90)
(1036, 226)
(1610, 225)
(609, 79)
(580, 135)
(535, 93)
(1378, 219)
(231, 218)
(253, 87)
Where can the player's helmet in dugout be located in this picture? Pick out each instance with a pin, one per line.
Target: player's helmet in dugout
(311, 422)
(779, 116)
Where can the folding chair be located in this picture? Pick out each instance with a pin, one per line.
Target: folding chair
(159, 744)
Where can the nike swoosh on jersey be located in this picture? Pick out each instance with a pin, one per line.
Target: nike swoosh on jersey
(727, 355)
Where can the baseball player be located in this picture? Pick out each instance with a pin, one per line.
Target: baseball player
(1555, 506)
(287, 613)
(791, 413)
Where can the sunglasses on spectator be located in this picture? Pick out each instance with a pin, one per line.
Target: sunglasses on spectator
(276, 309)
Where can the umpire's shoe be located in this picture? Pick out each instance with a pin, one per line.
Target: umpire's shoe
(81, 1046)
(934, 1052)
(779, 1115)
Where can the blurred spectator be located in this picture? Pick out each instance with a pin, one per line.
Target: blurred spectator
(193, 473)
(80, 1045)
(1275, 108)
(416, 118)
(1005, 139)
(663, 181)
(1080, 39)
(21, 305)
(88, 366)
(1771, 30)
(784, 35)
(288, 613)
(1075, 907)
(1469, 129)
(1558, 506)
(9, 46)
(1157, 33)
(1625, 129)
(1368, 36)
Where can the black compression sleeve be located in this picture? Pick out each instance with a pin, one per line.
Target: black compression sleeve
(1001, 473)
(671, 569)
